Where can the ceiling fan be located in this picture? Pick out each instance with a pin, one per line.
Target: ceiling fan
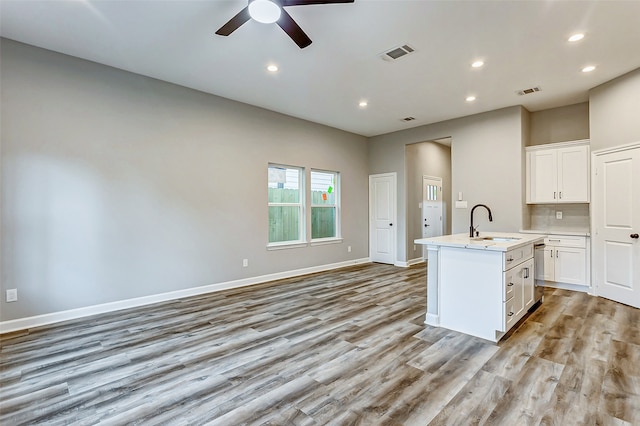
(270, 11)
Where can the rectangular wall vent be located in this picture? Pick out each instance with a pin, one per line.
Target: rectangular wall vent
(528, 91)
(397, 52)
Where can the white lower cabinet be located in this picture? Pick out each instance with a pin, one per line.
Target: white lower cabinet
(519, 292)
(483, 292)
(565, 260)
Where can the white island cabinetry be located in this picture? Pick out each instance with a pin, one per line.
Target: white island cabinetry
(481, 287)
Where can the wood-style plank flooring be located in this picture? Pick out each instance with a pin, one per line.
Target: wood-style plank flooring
(341, 347)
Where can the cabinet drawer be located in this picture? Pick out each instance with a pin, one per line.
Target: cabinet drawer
(509, 314)
(509, 284)
(516, 256)
(566, 241)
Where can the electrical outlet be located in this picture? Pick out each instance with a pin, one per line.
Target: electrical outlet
(12, 295)
(558, 215)
(245, 263)
(348, 249)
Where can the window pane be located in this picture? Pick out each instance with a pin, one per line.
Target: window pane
(284, 223)
(323, 222)
(284, 185)
(323, 188)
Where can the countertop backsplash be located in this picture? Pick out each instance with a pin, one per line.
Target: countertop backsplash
(575, 217)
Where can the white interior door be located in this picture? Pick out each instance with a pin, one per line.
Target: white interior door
(616, 223)
(382, 218)
(431, 207)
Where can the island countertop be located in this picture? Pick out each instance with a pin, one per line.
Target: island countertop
(513, 240)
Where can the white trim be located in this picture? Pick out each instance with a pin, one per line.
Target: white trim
(283, 245)
(566, 286)
(558, 145)
(40, 320)
(411, 262)
(323, 241)
(432, 319)
(616, 149)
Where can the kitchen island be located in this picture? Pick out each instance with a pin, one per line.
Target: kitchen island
(482, 285)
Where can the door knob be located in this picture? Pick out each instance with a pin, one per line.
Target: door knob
(391, 224)
(425, 225)
(634, 236)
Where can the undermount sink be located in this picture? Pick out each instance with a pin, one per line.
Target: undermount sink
(499, 239)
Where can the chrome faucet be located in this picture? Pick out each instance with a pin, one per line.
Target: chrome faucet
(472, 229)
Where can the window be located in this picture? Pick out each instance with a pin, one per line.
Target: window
(324, 205)
(286, 204)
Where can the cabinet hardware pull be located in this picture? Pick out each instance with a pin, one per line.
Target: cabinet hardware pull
(510, 259)
(526, 272)
(560, 194)
(554, 240)
(554, 195)
(551, 253)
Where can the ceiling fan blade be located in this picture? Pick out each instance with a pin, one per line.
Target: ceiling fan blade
(235, 22)
(294, 31)
(306, 2)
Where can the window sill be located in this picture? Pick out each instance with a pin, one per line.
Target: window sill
(284, 246)
(323, 241)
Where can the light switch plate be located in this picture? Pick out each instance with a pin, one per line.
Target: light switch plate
(558, 215)
(12, 295)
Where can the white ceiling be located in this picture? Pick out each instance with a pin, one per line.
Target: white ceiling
(524, 44)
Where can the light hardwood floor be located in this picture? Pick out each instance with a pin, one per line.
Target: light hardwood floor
(341, 347)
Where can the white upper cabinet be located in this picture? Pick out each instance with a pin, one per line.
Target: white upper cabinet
(558, 173)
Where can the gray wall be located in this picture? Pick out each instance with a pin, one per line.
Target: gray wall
(117, 186)
(614, 112)
(486, 161)
(561, 124)
(425, 159)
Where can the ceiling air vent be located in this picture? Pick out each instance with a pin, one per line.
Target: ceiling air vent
(528, 91)
(408, 119)
(397, 52)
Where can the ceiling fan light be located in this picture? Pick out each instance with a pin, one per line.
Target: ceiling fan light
(264, 11)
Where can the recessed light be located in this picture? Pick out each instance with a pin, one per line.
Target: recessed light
(363, 104)
(477, 64)
(470, 98)
(588, 68)
(576, 37)
(272, 68)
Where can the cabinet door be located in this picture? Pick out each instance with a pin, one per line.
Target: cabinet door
(545, 263)
(573, 174)
(543, 176)
(518, 289)
(571, 265)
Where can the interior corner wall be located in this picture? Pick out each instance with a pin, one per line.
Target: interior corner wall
(561, 124)
(614, 112)
(117, 186)
(526, 139)
(425, 159)
(486, 166)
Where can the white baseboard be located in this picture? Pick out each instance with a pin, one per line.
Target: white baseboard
(408, 263)
(40, 320)
(565, 286)
(432, 319)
